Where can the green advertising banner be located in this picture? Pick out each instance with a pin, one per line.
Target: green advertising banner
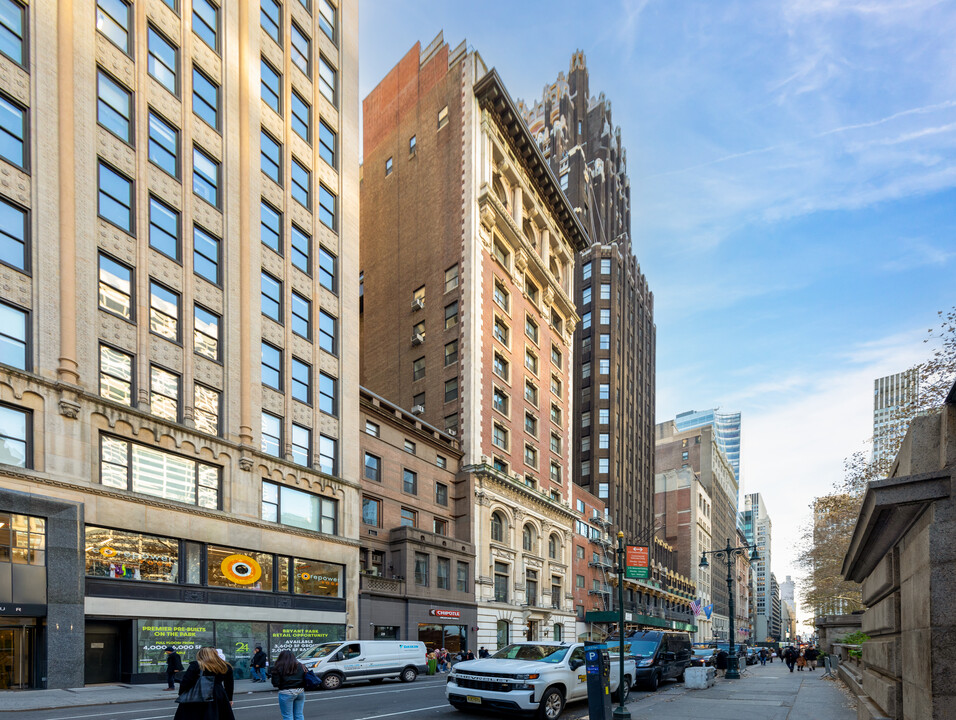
(184, 636)
(298, 638)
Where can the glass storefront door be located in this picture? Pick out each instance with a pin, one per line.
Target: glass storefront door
(454, 638)
(238, 641)
(16, 656)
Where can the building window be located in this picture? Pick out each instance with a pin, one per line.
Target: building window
(531, 361)
(114, 107)
(116, 375)
(327, 207)
(13, 336)
(327, 18)
(531, 329)
(206, 409)
(270, 227)
(555, 444)
(302, 317)
(530, 456)
(327, 392)
(115, 198)
(326, 80)
(527, 538)
(604, 341)
(13, 235)
(502, 296)
(462, 578)
(371, 511)
(327, 332)
(421, 569)
(301, 48)
(442, 117)
(205, 333)
(206, 99)
(412, 145)
(129, 466)
(112, 19)
(451, 278)
(555, 414)
(289, 506)
(163, 311)
(327, 269)
(555, 472)
(502, 254)
(441, 494)
(301, 117)
(163, 228)
(586, 320)
(497, 528)
(271, 366)
(206, 22)
(328, 455)
(409, 517)
(373, 467)
(270, 87)
(205, 255)
(530, 424)
(500, 331)
(271, 434)
(531, 290)
(205, 177)
(270, 157)
(451, 390)
(604, 440)
(327, 144)
(443, 576)
(270, 18)
(164, 393)
(500, 401)
(499, 436)
(501, 592)
(586, 296)
(162, 61)
(604, 391)
(409, 482)
(115, 287)
(301, 381)
(531, 392)
(271, 297)
(389, 165)
(451, 315)
(500, 366)
(301, 445)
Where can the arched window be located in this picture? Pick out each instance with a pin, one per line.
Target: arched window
(503, 633)
(553, 547)
(497, 528)
(558, 632)
(527, 538)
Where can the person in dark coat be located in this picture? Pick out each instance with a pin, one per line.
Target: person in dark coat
(812, 654)
(174, 663)
(288, 678)
(208, 664)
(790, 657)
(258, 665)
(483, 652)
(721, 663)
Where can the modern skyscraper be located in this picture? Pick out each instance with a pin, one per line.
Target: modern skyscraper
(614, 372)
(894, 399)
(726, 430)
(468, 252)
(775, 631)
(757, 528)
(177, 465)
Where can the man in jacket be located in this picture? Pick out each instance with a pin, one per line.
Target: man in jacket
(811, 655)
(258, 665)
(174, 663)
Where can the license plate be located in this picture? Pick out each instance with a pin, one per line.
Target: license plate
(473, 699)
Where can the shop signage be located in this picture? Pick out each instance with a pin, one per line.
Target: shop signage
(297, 638)
(22, 609)
(184, 636)
(636, 565)
(445, 613)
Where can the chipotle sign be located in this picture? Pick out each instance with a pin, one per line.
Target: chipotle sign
(445, 613)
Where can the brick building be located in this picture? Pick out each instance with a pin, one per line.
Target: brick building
(468, 249)
(176, 469)
(417, 559)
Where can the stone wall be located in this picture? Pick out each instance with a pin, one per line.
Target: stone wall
(832, 628)
(903, 551)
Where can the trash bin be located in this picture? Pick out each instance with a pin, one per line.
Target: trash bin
(432, 666)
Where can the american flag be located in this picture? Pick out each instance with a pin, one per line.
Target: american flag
(697, 606)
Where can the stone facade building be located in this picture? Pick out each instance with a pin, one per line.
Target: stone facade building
(757, 529)
(417, 558)
(614, 370)
(468, 252)
(176, 397)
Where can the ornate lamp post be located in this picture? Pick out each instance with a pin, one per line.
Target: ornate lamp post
(621, 712)
(728, 554)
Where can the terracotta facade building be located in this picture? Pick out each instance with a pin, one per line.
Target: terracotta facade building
(178, 387)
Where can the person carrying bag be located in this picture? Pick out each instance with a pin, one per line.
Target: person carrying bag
(288, 677)
(205, 692)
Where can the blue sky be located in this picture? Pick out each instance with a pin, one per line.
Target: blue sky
(793, 189)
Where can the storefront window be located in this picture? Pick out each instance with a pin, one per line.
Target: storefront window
(387, 632)
(22, 539)
(298, 638)
(184, 636)
(318, 578)
(193, 563)
(125, 555)
(240, 569)
(238, 641)
(282, 580)
(453, 638)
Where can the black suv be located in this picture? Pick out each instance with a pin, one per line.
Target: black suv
(659, 655)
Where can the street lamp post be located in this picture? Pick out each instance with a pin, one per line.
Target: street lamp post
(729, 553)
(620, 712)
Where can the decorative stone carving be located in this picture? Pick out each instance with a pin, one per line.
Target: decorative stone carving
(548, 296)
(245, 463)
(521, 260)
(487, 218)
(69, 409)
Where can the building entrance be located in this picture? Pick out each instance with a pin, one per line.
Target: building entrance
(103, 643)
(454, 638)
(16, 655)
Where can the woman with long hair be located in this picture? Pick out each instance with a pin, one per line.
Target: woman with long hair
(208, 664)
(287, 677)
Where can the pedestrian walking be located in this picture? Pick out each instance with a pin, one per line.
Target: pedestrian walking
(483, 652)
(469, 655)
(801, 660)
(763, 657)
(721, 663)
(790, 657)
(207, 664)
(812, 655)
(258, 665)
(288, 677)
(174, 664)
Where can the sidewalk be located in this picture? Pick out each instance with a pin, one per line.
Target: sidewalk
(768, 692)
(101, 695)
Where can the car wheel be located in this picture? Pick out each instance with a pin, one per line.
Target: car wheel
(552, 703)
(654, 681)
(332, 681)
(409, 674)
(624, 691)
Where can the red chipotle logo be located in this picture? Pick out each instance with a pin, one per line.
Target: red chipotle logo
(445, 613)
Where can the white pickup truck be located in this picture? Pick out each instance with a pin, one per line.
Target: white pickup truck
(529, 677)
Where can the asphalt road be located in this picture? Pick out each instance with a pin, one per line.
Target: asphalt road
(425, 698)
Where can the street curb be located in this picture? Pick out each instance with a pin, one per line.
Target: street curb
(115, 702)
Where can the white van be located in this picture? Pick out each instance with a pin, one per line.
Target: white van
(373, 660)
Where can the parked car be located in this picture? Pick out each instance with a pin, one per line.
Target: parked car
(703, 657)
(374, 660)
(660, 655)
(529, 677)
